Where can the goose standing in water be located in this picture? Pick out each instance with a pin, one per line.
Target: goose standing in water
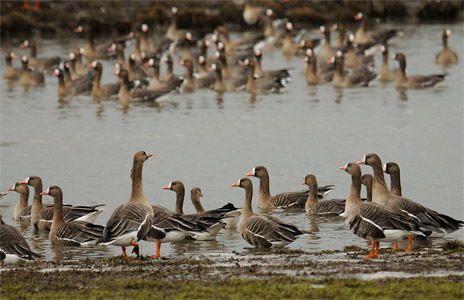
(327, 208)
(13, 246)
(446, 56)
(264, 231)
(373, 221)
(283, 200)
(22, 211)
(73, 233)
(131, 221)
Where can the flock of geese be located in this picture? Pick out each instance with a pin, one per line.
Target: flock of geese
(235, 65)
(384, 216)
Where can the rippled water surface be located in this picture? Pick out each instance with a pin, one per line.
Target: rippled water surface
(210, 140)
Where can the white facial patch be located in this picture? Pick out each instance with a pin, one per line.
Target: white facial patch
(144, 27)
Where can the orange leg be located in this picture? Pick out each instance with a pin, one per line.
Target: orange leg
(26, 5)
(395, 247)
(372, 254)
(158, 249)
(377, 245)
(136, 248)
(36, 7)
(409, 244)
(125, 255)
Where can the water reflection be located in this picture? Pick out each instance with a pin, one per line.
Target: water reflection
(338, 95)
(403, 96)
(69, 253)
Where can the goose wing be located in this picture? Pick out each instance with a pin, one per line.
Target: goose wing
(333, 207)
(127, 218)
(12, 242)
(76, 233)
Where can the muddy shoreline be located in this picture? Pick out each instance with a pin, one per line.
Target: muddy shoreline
(433, 268)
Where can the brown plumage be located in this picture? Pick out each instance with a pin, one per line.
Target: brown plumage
(13, 246)
(446, 56)
(22, 211)
(283, 200)
(42, 216)
(431, 220)
(11, 73)
(372, 221)
(359, 77)
(327, 208)
(131, 221)
(72, 233)
(263, 231)
(417, 81)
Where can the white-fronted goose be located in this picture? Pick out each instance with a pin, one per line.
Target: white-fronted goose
(11, 73)
(126, 97)
(42, 216)
(417, 81)
(82, 84)
(362, 36)
(271, 74)
(229, 213)
(118, 48)
(72, 233)
(355, 59)
(446, 56)
(359, 77)
(288, 47)
(373, 221)
(254, 86)
(156, 84)
(385, 73)
(142, 35)
(447, 223)
(135, 71)
(313, 76)
(22, 211)
(30, 76)
(172, 32)
(340, 41)
(326, 208)
(170, 64)
(283, 200)
(190, 82)
(42, 64)
(91, 52)
(62, 88)
(212, 224)
(13, 246)
(102, 92)
(366, 180)
(251, 13)
(263, 231)
(326, 51)
(77, 68)
(393, 170)
(131, 221)
(440, 224)
(268, 26)
(224, 85)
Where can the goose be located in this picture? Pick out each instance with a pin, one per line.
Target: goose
(373, 221)
(366, 180)
(385, 73)
(212, 224)
(13, 246)
(438, 223)
(11, 73)
(446, 56)
(256, 86)
(262, 230)
(446, 223)
(228, 212)
(42, 64)
(312, 74)
(30, 76)
(252, 14)
(102, 92)
(271, 74)
(42, 216)
(359, 77)
(362, 36)
(327, 208)
(326, 51)
(283, 200)
(131, 221)
(417, 81)
(72, 233)
(22, 211)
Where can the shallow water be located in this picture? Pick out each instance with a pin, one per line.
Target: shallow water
(210, 140)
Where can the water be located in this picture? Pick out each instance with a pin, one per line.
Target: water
(210, 140)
